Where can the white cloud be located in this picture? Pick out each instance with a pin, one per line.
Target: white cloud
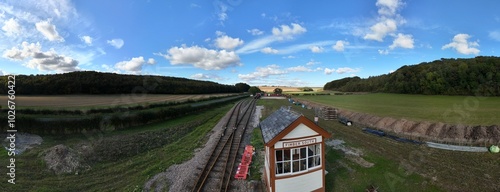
(269, 50)
(287, 32)
(495, 35)
(381, 29)
(388, 20)
(391, 71)
(461, 44)
(341, 70)
(340, 45)
(346, 70)
(107, 67)
(256, 45)
(221, 14)
(354, 27)
(305, 46)
(11, 27)
(329, 71)
(2, 73)
(43, 61)
(86, 39)
(117, 43)
(151, 61)
(206, 76)
(388, 7)
(255, 32)
(227, 43)
(57, 8)
(289, 57)
(49, 31)
(33, 11)
(133, 65)
(27, 50)
(299, 69)
(312, 62)
(51, 61)
(49, 20)
(202, 58)
(316, 49)
(383, 52)
(263, 72)
(403, 41)
(219, 33)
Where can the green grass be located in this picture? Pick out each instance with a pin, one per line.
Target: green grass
(127, 174)
(257, 141)
(257, 162)
(399, 166)
(466, 110)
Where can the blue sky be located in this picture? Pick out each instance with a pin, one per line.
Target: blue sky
(286, 43)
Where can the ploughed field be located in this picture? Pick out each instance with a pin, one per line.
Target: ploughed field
(103, 100)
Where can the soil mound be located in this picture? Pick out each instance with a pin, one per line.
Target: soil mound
(428, 131)
(62, 159)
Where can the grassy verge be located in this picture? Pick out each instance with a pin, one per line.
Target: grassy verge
(434, 108)
(127, 174)
(257, 161)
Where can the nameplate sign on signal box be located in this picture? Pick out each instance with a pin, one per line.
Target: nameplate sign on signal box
(299, 143)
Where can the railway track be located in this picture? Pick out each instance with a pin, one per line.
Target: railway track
(217, 172)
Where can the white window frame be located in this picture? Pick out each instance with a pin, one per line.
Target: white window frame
(297, 162)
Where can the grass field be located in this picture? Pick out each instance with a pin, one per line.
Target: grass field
(399, 166)
(127, 174)
(466, 110)
(87, 101)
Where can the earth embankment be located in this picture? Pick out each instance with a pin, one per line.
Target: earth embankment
(428, 131)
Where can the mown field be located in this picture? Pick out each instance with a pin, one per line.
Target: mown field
(87, 101)
(127, 173)
(467, 110)
(399, 166)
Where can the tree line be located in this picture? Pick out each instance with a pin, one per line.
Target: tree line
(91, 82)
(475, 76)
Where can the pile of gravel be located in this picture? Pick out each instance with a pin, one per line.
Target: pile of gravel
(62, 159)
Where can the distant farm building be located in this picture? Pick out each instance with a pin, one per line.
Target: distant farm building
(295, 152)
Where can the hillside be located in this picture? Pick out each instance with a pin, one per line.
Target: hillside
(91, 82)
(475, 76)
